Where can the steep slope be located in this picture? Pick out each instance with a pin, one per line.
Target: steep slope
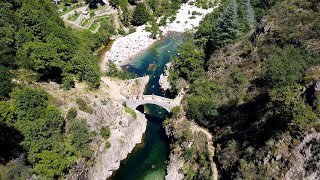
(259, 94)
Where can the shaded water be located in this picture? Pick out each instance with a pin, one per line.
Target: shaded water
(148, 159)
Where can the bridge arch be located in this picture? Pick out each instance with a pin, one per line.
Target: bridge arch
(166, 103)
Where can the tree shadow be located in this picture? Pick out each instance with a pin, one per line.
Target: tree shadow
(250, 124)
(93, 4)
(9, 143)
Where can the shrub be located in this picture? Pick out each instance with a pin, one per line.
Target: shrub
(72, 113)
(80, 101)
(195, 13)
(285, 68)
(173, 18)
(83, 106)
(80, 136)
(132, 30)
(68, 82)
(105, 132)
(130, 111)
(108, 145)
(317, 127)
(175, 111)
(104, 101)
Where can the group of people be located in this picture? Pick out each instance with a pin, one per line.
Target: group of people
(124, 48)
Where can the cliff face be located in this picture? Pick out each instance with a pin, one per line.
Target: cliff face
(124, 137)
(126, 130)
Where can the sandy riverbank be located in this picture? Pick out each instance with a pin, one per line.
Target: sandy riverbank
(125, 48)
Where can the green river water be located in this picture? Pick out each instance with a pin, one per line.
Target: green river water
(148, 159)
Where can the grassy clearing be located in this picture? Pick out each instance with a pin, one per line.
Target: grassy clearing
(130, 111)
(94, 25)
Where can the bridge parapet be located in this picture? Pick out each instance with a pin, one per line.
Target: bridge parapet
(166, 103)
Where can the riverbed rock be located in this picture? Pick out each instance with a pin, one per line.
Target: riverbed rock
(164, 78)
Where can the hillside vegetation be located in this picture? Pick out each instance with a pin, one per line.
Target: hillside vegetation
(37, 47)
(36, 140)
(253, 71)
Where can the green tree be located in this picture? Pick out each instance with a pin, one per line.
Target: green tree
(227, 26)
(285, 68)
(249, 14)
(51, 164)
(190, 62)
(140, 15)
(29, 103)
(80, 136)
(201, 109)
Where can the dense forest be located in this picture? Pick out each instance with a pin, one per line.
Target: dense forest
(35, 138)
(252, 70)
(36, 42)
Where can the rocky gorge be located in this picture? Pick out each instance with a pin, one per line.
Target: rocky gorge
(126, 130)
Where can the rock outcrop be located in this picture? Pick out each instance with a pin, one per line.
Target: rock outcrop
(174, 167)
(125, 134)
(305, 159)
(164, 81)
(126, 130)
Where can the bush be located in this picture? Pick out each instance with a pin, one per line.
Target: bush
(130, 111)
(80, 136)
(285, 68)
(195, 13)
(132, 30)
(121, 32)
(72, 113)
(68, 82)
(83, 106)
(105, 132)
(108, 145)
(80, 101)
(175, 111)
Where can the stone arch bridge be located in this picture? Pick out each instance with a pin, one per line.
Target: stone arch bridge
(166, 103)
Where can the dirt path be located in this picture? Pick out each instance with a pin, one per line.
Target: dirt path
(197, 128)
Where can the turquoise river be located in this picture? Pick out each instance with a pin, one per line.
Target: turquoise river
(149, 159)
